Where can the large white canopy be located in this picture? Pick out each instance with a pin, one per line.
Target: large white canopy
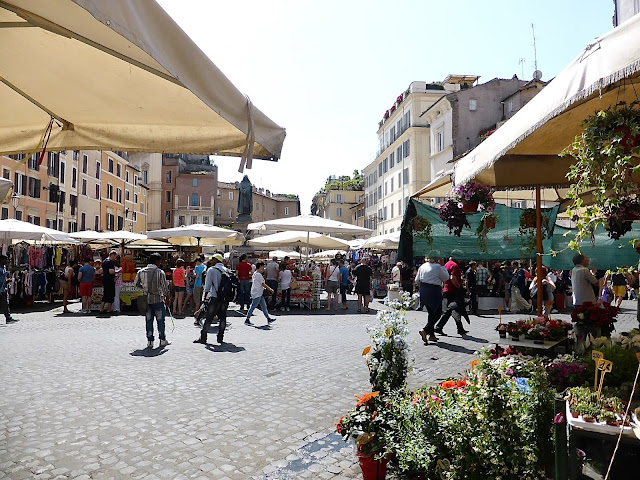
(388, 241)
(524, 151)
(110, 237)
(280, 254)
(198, 234)
(118, 75)
(291, 239)
(309, 223)
(17, 230)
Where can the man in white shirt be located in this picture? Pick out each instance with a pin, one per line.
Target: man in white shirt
(582, 281)
(395, 273)
(258, 286)
(272, 272)
(215, 305)
(430, 277)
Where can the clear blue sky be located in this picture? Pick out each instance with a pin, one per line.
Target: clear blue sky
(327, 70)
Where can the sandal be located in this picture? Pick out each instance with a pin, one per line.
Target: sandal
(359, 311)
(366, 310)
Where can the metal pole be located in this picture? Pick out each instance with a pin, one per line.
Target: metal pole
(539, 251)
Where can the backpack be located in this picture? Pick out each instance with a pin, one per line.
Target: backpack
(228, 288)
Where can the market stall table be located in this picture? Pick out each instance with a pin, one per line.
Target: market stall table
(546, 345)
(491, 303)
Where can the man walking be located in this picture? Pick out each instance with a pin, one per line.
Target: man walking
(243, 270)
(198, 272)
(215, 304)
(454, 292)
(258, 286)
(108, 284)
(85, 277)
(344, 282)
(273, 270)
(5, 280)
(430, 277)
(363, 275)
(153, 282)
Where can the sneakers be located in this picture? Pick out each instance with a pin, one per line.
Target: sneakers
(164, 343)
(248, 323)
(423, 335)
(150, 344)
(12, 320)
(197, 323)
(271, 320)
(463, 332)
(288, 309)
(199, 340)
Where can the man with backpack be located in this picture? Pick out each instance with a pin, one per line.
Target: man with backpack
(219, 289)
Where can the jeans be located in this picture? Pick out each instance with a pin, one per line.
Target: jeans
(431, 297)
(343, 292)
(285, 301)
(157, 310)
(244, 293)
(455, 303)
(274, 286)
(4, 305)
(254, 303)
(474, 300)
(214, 307)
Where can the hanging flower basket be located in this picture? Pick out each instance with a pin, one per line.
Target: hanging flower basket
(528, 218)
(618, 217)
(490, 221)
(451, 212)
(420, 223)
(469, 207)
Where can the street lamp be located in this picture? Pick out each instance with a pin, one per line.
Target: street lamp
(15, 198)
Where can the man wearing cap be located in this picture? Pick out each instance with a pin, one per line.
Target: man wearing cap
(153, 282)
(215, 306)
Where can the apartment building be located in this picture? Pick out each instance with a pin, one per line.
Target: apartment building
(400, 166)
(337, 198)
(266, 205)
(150, 180)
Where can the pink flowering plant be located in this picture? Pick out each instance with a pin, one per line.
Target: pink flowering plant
(451, 212)
(473, 192)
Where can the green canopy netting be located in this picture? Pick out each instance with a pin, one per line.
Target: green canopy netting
(505, 242)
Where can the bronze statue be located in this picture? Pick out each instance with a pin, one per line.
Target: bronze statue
(245, 200)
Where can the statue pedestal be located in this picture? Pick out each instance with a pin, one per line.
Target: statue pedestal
(243, 220)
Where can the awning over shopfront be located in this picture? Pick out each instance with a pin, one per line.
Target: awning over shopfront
(118, 75)
(524, 151)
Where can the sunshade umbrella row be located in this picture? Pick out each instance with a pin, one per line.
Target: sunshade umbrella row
(18, 230)
(198, 235)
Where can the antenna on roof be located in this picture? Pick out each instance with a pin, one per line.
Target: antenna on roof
(521, 62)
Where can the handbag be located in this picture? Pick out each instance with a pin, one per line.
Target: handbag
(143, 300)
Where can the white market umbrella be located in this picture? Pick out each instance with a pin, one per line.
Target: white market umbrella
(280, 254)
(118, 75)
(198, 235)
(357, 243)
(389, 241)
(290, 239)
(150, 245)
(309, 223)
(11, 229)
(122, 238)
(327, 254)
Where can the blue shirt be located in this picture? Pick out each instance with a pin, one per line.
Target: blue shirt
(88, 273)
(3, 279)
(198, 271)
(344, 275)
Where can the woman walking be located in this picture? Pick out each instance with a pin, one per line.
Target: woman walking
(178, 287)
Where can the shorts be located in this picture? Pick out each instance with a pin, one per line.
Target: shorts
(363, 289)
(86, 289)
(197, 293)
(332, 286)
(109, 292)
(179, 289)
(189, 290)
(619, 290)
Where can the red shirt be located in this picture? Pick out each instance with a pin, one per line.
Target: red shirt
(244, 270)
(454, 270)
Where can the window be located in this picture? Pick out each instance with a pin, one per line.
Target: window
(181, 220)
(110, 165)
(380, 169)
(379, 214)
(380, 191)
(510, 106)
(230, 195)
(167, 216)
(110, 192)
(73, 227)
(195, 200)
(126, 176)
(219, 194)
(218, 211)
(399, 207)
(194, 219)
(49, 223)
(141, 207)
(135, 216)
(5, 173)
(118, 170)
(205, 220)
(385, 165)
(34, 187)
(111, 222)
(97, 169)
(20, 184)
(135, 198)
(385, 213)
(339, 212)
(73, 203)
(127, 195)
(98, 191)
(83, 221)
(407, 119)
(18, 214)
(119, 195)
(391, 159)
(85, 163)
(74, 177)
(392, 210)
(135, 180)
(385, 189)
(391, 185)
(405, 148)
(286, 210)
(392, 134)
(145, 177)
(231, 213)
(5, 213)
(399, 179)
(398, 154)
(96, 223)
(120, 223)
(339, 198)
(33, 162)
(168, 176)
(405, 176)
(194, 182)
(473, 105)
(75, 155)
(168, 196)
(84, 186)
(439, 141)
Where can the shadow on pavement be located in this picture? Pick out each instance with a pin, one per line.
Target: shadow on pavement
(475, 339)
(225, 347)
(453, 348)
(149, 352)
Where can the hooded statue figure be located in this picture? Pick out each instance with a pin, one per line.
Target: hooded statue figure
(245, 199)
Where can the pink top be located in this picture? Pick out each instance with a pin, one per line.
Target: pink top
(178, 277)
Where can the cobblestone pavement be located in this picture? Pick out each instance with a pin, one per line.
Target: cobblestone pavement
(82, 398)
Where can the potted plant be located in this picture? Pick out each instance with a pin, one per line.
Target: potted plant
(606, 156)
(487, 222)
(515, 329)
(451, 212)
(502, 330)
(422, 229)
(619, 219)
(473, 195)
(527, 230)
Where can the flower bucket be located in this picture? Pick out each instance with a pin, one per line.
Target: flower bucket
(502, 333)
(490, 223)
(372, 469)
(469, 207)
(515, 338)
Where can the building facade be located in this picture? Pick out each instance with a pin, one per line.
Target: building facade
(337, 198)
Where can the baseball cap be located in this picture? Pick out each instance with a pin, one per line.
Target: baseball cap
(218, 257)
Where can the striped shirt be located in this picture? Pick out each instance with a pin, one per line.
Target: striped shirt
(153, 281)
